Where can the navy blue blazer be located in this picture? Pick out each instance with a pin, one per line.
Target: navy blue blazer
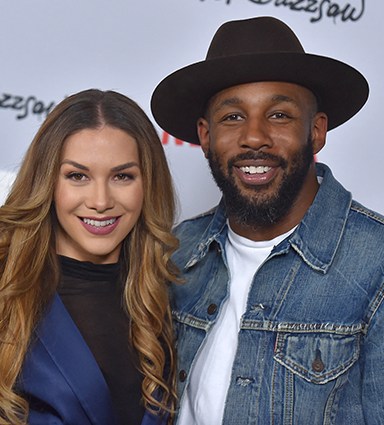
(62, 379)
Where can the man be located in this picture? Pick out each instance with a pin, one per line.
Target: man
(281, 317)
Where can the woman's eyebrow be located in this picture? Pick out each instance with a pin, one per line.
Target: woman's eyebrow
(125, 166)
(85, 168)
(75, 164)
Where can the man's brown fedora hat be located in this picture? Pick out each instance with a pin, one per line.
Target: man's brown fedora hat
(251, 50)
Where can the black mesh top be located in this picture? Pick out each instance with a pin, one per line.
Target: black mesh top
(92, 294)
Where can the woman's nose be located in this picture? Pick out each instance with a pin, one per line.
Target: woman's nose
(100, 198)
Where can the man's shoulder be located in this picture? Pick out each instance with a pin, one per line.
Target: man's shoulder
(335, 200)
(194, 226)
(370, 216)
(366, 227)
(196, 233)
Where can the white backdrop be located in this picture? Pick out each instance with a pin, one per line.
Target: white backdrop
(52, 48)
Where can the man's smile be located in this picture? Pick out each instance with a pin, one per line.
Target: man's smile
(255, 169)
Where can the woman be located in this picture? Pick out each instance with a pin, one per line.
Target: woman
(85, 246)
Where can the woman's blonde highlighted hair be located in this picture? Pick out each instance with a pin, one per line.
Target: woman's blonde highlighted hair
(29, 272)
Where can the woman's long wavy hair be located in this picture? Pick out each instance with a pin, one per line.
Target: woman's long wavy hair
(29, 271)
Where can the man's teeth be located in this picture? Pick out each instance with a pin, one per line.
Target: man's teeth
(260, 169)
(99, 223)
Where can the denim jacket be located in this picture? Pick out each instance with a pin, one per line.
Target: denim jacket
(311, 341)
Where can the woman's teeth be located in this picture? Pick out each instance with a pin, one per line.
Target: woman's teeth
(99, 223)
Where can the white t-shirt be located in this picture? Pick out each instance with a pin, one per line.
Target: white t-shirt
(204, 398)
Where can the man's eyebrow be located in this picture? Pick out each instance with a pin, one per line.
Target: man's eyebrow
(283, 98)
(120, 167)
(277, 98)
(230, 101)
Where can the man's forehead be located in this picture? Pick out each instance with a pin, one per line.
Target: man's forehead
(273, 91)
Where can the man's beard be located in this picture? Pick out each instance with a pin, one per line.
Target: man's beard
(259, 209)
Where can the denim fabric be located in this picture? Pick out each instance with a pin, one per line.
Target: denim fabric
(311, 341)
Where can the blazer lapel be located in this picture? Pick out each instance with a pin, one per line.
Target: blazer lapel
(68, 350)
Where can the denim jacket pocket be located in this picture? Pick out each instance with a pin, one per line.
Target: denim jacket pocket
(317, 357)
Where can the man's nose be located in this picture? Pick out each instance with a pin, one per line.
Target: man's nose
(255, 134)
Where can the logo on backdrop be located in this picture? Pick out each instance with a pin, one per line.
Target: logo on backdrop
(29, 106)
(24, 106)
(341, 10)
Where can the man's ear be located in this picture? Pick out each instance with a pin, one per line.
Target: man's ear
(203, 133)
(319, 131)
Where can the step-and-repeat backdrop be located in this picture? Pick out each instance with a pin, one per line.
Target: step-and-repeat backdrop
(52, 48)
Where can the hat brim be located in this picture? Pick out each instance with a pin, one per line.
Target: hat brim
(180, 99)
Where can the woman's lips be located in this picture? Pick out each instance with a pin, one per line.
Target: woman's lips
(100, 226)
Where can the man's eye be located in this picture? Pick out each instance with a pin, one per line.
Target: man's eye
(232, 117)
(279, 115)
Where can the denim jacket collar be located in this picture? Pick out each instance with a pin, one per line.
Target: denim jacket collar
(314, 239)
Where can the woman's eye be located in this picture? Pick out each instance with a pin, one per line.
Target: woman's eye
(124, 177)
(76, 176)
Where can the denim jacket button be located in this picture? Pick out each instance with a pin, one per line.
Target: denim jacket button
(318, 365)
(212, 309)
(182, 375)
